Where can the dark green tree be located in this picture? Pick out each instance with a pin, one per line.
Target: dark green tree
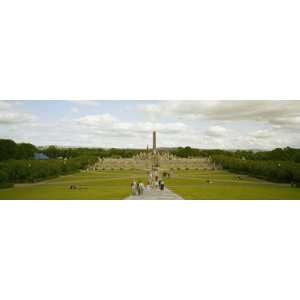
(8, 149)
(25, 151)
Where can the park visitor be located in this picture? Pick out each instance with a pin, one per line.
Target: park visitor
(134, 188)
(141, 188)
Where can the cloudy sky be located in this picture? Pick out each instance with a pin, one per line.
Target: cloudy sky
(128, 124)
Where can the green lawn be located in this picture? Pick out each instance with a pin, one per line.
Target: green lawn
(224, 185)
(92, 185)
(187, 184)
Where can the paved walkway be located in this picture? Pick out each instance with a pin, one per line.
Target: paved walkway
(166, 194)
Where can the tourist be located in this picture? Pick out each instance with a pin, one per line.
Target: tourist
(162, 186)
(138, 189)
(134, 188)
(156, 185)
(141, 188)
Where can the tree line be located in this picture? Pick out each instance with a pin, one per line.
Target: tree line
(277, 171)
(278, 154)
(18, 171)
(11, 150)
(17, 164)
(55, 152)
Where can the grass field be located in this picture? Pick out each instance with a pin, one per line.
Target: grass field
(187, 184)
(193, 185)
(96, 185)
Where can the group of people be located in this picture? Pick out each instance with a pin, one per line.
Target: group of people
(138, 188)
(159, 184)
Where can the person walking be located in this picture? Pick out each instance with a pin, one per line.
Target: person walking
(138, 189)
(134, 188)
(142, 188)
(162, 185)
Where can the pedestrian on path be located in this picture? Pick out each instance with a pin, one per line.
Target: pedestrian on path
(141, 188)
(134, 188)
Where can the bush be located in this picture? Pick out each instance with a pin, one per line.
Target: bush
(278, 171)
(3, 177)
(8, 149)
(6, 185)
(35, 170)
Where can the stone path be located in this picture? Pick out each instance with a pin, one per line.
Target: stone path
(156, 195)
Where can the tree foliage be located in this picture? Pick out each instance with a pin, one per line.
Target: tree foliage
(55, 152)
(278, 171)
(35, 170)
(278, 154)
(10, 150)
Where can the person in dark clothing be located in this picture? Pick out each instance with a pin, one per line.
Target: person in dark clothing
(139, 189)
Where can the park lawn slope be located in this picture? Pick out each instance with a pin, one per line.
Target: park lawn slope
(224, 185)
(189, 184)
(102, 185)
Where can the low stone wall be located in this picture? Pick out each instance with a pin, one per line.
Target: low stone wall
(187, 163)
(138, 164)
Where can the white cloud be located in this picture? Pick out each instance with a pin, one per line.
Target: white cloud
(110, 123)
(11, 114)
(283, 113)
(262, 134)
(13, 118)
(193, 123)
(5, 105)
(75, 110)
(217, 131)
(97, 120)
(84, 102)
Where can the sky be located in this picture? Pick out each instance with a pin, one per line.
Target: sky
(259, 125)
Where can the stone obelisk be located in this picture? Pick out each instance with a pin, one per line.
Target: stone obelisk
(154, 142)
(155, 154)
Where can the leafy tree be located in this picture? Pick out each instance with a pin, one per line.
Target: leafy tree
(25, 151)
(278, 171)
(34, 170)
(3, 177)
(52, 152)
(8, 149)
